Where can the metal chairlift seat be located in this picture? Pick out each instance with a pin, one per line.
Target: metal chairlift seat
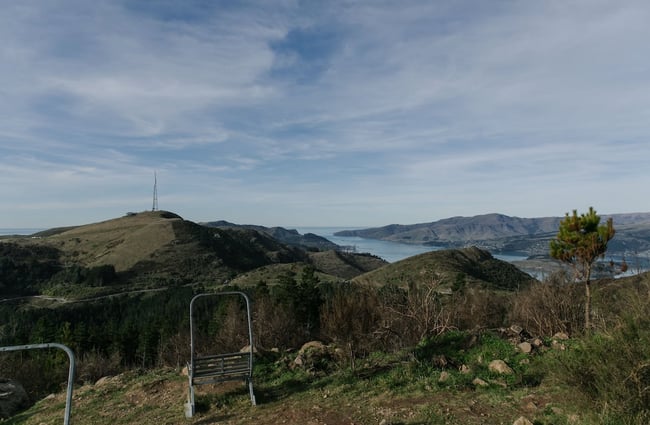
(211, 369)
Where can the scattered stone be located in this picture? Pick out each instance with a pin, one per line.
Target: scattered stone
(561, 336)
(520, 332)
(556, 345)
(312, 345)
(440, 361)
(247, 349)
(13, 398)
(522, 421)
(516, 329)
(464, 369)
(314, 356)
(537, 342)
(444, 376)
(499, 382)
(525, 347)
(530, 406)
(499, 366)
(478, 382)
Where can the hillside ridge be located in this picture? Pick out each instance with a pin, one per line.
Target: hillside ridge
(502, 233)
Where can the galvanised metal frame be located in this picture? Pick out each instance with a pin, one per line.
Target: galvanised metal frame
(68, 402)
(190, 405)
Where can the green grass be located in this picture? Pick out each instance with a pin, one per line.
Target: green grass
(402, 388)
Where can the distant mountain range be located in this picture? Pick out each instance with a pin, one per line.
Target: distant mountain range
(287, 236)
(502, 233)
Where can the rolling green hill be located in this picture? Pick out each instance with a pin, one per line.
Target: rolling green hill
(155, 249)
(452, 267)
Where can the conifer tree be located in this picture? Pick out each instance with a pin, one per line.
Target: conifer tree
(579, 242)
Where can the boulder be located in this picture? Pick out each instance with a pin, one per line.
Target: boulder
(478, 382)
(314, 356)
(522, 420)
(500, 367)
(312, 346)
(247, 349)
(525, 347)
(561, 336)
(13, 398)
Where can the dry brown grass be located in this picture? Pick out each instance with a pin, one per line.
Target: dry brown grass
(123, 241)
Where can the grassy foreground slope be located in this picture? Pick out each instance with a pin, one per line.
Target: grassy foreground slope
(585, 380)
(384, 389)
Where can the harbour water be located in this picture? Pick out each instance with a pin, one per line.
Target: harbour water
(23, 231)
(389, 251)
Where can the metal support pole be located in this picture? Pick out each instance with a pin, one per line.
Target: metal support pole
(71, 370)
(190, 406)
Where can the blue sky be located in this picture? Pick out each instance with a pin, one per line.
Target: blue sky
(331, 113)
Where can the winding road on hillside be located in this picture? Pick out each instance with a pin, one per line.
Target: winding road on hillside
(71, 301)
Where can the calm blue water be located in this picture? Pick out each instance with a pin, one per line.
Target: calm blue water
(389, 251)
(19, 231)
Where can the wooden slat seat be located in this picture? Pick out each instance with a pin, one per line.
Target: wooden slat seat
(220, 368)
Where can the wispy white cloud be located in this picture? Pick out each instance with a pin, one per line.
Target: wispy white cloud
(340, 112)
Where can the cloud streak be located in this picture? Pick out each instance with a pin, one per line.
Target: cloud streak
(328, 113)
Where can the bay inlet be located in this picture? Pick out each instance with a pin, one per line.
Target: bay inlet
(389, 251)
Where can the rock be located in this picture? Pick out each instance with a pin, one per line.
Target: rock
(516, 329)
(522, 421)
(440, 361)
(478, 382)
(312, 345)
(561, 336)
(556, 345)
(247, 349)
(530, 406)
(13, 398)
(315, 356)
(525, 347)
(444, 376)
(520, 332)
(464, 369)
(499, 366)
(537, 342)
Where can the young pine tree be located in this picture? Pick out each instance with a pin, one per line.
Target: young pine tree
(579, 242)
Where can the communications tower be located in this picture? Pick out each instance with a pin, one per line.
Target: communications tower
(155, 193)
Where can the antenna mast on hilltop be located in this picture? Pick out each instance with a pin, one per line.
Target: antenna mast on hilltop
(155, 193)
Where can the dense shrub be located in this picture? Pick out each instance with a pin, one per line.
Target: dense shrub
(612, 367)
(555, 305)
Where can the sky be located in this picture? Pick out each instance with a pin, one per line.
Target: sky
(322, 113)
